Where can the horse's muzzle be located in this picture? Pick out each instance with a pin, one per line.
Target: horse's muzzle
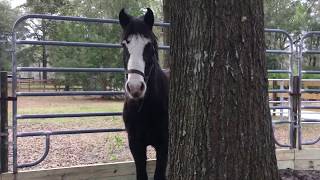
(135, 89)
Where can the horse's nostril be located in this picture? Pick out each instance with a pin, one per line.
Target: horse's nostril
(142, 87)
(128, 88)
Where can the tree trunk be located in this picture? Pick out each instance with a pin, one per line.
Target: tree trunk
(220, 123)
(44, 50)
(1, 59)
(44, 62)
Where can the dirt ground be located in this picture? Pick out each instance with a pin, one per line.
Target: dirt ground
(289, 174)
(72, 150)
(84, 149)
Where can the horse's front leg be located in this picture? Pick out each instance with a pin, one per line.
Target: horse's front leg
(161, 163)
(138, 151)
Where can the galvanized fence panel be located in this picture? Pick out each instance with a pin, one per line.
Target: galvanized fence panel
(288, 107)
(16, 94)
(315, 105)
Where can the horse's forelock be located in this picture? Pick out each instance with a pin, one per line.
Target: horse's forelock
(138, 27)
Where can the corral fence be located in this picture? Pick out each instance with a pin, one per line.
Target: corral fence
(290, 106)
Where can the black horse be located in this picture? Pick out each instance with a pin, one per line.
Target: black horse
(145, 111)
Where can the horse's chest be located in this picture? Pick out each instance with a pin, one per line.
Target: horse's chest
(146, 127)
(145, 124)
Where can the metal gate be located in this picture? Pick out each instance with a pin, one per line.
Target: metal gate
(294, 111)
(284, 105)
(16, 94)
(303, 51)
(296, 103)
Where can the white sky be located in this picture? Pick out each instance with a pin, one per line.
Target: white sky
(15, 3)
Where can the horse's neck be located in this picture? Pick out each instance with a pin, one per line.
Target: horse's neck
(156, 79)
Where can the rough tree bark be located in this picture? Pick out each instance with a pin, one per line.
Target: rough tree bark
(220, 123)
(44, 51)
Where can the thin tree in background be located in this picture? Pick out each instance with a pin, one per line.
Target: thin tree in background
(220, 123)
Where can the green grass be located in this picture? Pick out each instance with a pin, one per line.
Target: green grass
(82, 120)
(112, 107)
(55, 105)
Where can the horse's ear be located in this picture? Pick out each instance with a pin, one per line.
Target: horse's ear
(149, 18)
(124, 18)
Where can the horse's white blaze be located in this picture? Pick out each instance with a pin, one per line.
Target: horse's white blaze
(135, 46)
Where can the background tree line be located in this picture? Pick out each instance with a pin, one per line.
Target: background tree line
(292, 15)
(296, 17)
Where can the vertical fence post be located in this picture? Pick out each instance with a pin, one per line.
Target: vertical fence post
(295, 104)
(3, 122)
(281, 100)
(274, 97)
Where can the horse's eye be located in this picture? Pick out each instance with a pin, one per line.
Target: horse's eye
(127, 41)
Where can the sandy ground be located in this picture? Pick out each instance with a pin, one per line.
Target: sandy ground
(71, 150)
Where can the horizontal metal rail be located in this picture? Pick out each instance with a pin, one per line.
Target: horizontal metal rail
(78, 19)
(310, 107)
(66, 69)
(310, 80)
(281, 122)
(278, 71)
(275, 51)
(66, 43)
(278, 102)
(310, 101)
(310, 120)
(278, 90)
(278, 79)
(282, 115)
(310, 72)
(279, 107)
(277, 31)
(67, 132)
(310, 112)
(279, 113)
(310, 90)
(78, 44)
(303, 80)
(309, 51)
(69, 115)
(72, 93)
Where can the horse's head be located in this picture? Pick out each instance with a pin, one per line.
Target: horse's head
(140, 48)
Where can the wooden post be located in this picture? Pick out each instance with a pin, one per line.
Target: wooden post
(3, 122)
(295, 104)
(274, 97)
